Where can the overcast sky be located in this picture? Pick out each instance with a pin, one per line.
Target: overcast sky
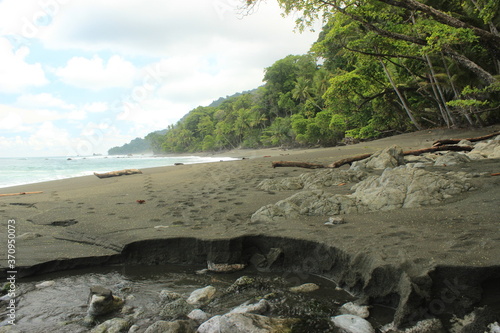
(82, 76)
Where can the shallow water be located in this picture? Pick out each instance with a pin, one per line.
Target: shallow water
(19, 171)
(62, 306)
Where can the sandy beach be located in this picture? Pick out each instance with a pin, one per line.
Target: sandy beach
(92, 217)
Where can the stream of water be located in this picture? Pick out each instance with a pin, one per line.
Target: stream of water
(61, 306)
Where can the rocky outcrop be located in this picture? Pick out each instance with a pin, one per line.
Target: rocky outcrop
(313, 181)
(410, 288)
(245, 322)
(390, 157)
(409, 188)
(488, 149)
(401, 187)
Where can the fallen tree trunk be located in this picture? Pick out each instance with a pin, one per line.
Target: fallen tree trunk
(351, 159)
(437, 148)
(125, 172)
(454, 141)
(297, 164)
(20, 193)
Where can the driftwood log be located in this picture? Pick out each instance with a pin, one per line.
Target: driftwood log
(125, 172)
(20, 193)
(454, 141)
(297, 164)
(351, 159)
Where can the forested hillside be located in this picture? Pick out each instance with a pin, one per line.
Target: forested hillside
(379, 67)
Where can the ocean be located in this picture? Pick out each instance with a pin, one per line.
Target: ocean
(28, 170)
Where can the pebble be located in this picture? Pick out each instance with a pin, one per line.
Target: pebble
(354, 309)
(202, 296)
(352, 324)
(304, 288)
(335, 220)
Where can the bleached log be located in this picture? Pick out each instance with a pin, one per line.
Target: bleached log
(454, 141)
(125, 172)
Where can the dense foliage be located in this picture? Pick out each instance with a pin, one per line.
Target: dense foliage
(136, 146)
(379, 67)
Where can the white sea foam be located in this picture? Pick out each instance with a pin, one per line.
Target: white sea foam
(19, 171)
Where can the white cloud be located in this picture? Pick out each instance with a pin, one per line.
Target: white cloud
(96, 107)
(15, 73)
(48, 136)
(25, 118)
(166, 56)
(17, 119)
(152, 114)
(163, 27)
(11, 121)
(94, 74)
(43, 100)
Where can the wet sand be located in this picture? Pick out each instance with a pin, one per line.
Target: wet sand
(88, 216)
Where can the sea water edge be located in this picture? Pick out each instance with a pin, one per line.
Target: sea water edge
(15, 171)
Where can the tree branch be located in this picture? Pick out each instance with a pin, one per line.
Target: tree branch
(385, 55)
(445, 19)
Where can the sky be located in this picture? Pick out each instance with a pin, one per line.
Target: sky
(78, 77)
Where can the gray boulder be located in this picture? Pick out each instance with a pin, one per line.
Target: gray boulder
(245, 323)
(387, 158)
(489, 149)
(314, 203)
(312, 181)
(352, 324)
(257, 308)
(198, 315)
(400, 187)
(115, 325)
(176, 309)
(355, 309)
(451, 158)
(202, 296)
(102, 302)
(169, 296)
(409, 188)
(178, 326)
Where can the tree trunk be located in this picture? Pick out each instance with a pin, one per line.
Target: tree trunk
(453, 141)
(455, 91)
(297, 164)
(351, 159)
(467, 63)
(401, 97)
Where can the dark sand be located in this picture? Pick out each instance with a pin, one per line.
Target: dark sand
(87, 216)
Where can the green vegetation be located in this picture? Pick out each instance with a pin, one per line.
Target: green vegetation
(136, 146)
(379, 67)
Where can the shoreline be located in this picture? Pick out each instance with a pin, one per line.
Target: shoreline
(199, 212)
(91, 172)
